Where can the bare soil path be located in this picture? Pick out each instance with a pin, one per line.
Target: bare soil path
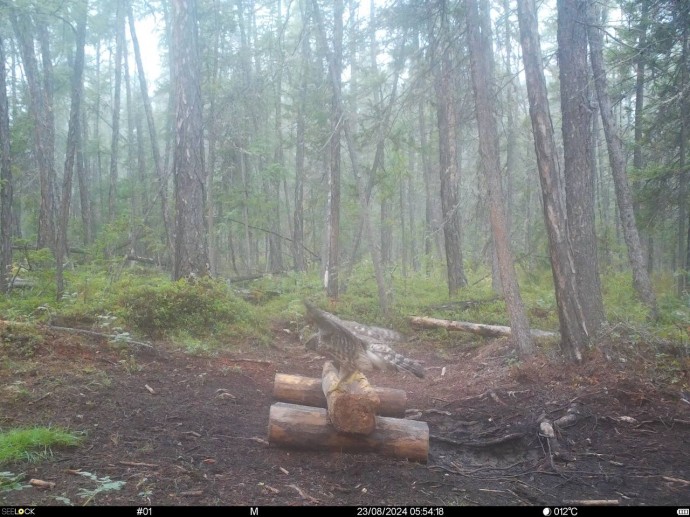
(188, 430)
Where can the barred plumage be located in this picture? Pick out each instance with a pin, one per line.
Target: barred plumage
(357, 347)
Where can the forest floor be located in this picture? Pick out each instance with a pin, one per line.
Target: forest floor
(192, 430)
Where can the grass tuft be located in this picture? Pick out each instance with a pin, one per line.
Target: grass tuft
(33, 444)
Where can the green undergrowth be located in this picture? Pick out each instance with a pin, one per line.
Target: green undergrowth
(207, 315)
(33, 444)
(193, 312)
(201, 315)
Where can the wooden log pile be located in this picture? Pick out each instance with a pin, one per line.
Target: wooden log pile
(348, 416)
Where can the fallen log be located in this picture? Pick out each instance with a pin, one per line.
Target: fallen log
(307, 391)
(305, 427)
(114, 337)
(352, 403)
(475, 328)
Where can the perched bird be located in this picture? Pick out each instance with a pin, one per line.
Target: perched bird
(355, 347)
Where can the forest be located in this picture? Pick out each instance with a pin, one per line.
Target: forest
(181, 178)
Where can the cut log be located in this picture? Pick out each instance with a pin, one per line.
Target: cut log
(305, 427)
(308, 391)
(352, 404)
(475, 328)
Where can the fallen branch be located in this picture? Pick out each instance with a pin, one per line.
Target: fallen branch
(478, 444)
(138, 464)
(257, 361)
(40, 398)
(40, 484)
(303, 494)
(192, 493)
(475, 328)
(150, 389)
(114, 337)
(676, 480)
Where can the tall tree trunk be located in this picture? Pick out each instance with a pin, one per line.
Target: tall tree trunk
(448, 162)
(482, 67)
(40, 110)
(354, 161)
(115, 139)
(335, 64)
(684, 123)
(82, 178)
(298, 214)
(411, 208)
(385, 225)
(191, 249)
(275, 245)
(212, 133)
(577, 141)
(73, 136)
(161, 174)
(97, 131)
(574, 332)
(641, 280)
(6, 184)
(638, 159)
(432, 240)
(135, 197)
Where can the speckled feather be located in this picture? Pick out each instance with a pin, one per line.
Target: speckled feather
(357, 347)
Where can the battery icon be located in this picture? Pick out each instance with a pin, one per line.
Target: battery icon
(683, 511)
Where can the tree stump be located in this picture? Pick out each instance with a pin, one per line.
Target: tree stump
(305, 427)
(352, 404)
(308, 391)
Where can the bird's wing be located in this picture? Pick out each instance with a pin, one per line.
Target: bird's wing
(395, 360)
(374, 334)
(333, 326)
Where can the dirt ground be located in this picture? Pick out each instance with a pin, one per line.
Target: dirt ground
(189, 430)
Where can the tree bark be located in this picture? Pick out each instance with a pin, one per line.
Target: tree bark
(684, 129)
(82, 178)
(6, 183)
(448, 161)
(432, 240)
(115, 137)
(638, 158)
(641, 280)
(39, 108)
(275, 246)
(73, 136)
(161, 175)
(354, 160)
(574, 332)
(482, 67)
(191, 250)
(298, 212)
(335, 64)
(577, 142)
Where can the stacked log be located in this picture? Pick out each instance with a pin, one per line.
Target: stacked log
(308, 391)
(347, 415)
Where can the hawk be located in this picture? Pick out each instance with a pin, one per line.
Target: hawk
(356, 347)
